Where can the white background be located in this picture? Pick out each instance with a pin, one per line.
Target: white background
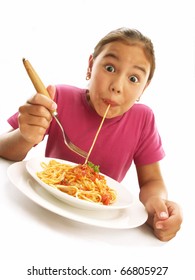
(58, 37)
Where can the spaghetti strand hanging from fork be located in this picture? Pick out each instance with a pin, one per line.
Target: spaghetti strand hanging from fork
(97, 133)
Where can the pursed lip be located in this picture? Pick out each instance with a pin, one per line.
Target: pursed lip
(110, 102)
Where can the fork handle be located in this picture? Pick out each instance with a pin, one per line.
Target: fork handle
(38, 84)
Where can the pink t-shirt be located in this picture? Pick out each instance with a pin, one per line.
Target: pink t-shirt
(123, 139)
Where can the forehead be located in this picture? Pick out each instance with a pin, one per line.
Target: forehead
(127, 53)
(124, 49)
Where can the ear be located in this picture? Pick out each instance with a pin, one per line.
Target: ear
(90, 63)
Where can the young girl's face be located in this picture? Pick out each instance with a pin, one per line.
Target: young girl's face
(119, 75)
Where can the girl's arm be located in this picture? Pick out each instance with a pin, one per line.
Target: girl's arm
(164, 216)
(13, 146)
(151, 187)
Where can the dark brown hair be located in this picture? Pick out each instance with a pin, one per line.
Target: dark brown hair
(131, 37)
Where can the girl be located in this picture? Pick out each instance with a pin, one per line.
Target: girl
(119, 70)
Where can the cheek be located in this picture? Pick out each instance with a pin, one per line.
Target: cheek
(94, 80)
(129, 98)
(132, 94)
(97, 87)
(128, 101)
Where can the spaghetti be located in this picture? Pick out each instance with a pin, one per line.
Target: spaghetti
(80, 181)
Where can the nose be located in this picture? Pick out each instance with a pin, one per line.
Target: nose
(116, 86)
(115, 90)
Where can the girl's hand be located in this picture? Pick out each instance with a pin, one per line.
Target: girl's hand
(165, 218)
(35, 116)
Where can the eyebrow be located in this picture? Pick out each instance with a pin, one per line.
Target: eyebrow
(111, 55)
(141, 68)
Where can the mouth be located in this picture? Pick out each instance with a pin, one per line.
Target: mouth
(110, 102)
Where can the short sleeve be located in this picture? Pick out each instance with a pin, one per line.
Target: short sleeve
(13, 121)
(149, 148)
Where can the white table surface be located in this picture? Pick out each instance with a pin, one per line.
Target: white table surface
(32, 235)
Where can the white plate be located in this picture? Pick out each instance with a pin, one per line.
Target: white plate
(124, 197)
(131, 217)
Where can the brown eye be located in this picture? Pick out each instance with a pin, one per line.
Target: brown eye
(110, 68)
(133, 79)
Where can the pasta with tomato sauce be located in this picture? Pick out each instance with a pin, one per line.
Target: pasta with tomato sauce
(80, 181)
